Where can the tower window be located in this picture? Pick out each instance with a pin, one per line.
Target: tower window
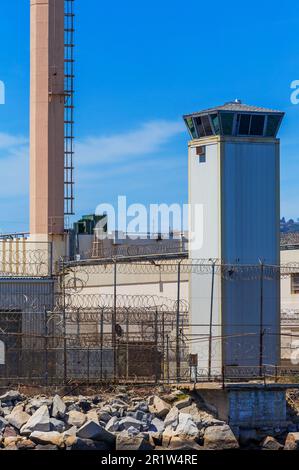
(207, 126)
(272, 125)
(201, 152)
(227, 120)
(244, 124)
(199, 126)
(257, 124)
(215, 123)
(190, 125)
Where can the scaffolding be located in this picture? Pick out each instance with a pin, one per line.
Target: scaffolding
(69, 78)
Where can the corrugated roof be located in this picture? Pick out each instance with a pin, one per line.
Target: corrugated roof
(237, 106)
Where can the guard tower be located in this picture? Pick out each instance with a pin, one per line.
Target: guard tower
(234, 191)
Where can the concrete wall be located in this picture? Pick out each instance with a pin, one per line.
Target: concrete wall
(204, 195)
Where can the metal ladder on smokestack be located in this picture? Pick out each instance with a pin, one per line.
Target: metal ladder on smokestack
(69, 78)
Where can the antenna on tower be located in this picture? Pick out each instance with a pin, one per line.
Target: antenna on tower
(69, 78)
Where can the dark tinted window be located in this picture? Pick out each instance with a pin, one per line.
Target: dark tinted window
(244, 124)
(227, 120)
(206, 124)
(257, 124)
(215, 122)
(190, 125)
(199, 126)
(272, 125)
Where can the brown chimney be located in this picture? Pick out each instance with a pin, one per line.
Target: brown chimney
(47, 118)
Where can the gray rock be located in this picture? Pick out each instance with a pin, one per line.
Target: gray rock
(219, 438)
(270, 443)
(39, 421)
(74, 407)
(172, 418)
(88, 444)
(3, 424)
(112, 425)
(157, 425)
(186, 426)
(129, 422)
(57, 425)
(18, 417)
(11, 396)
(140, 406)
(104, 416)
(129, 443)
(94, 431)
(183, 403)
(58, 407)
(70, 432)
(75, 418)
(39, 402)
(159, 407)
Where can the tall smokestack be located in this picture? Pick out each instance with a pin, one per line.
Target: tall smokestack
(47, 119)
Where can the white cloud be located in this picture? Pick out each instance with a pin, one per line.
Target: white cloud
(147, 139)
(14, 154)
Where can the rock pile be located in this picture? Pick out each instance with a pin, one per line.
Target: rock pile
(124, 420)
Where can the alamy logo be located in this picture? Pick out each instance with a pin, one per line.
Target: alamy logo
(2, 92)
(295, 93)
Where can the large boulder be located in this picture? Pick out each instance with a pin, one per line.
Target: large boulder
(18, 417)
(172, 418)
(57, 425)
(292, 441)
(76, 418)
(11, 396)
(92, 415)
(129, 422)
(26, 444)
(157, 425)
(39, 421)
(270, 443)
(58, 408)
(159, 407)
(44, 438)
(129, 443)
(219, 438)
(94, 431)
(183, 443)
(186, 426)
(112, 425)
(183, 403)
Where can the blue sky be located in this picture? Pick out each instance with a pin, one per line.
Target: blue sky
(140, 66)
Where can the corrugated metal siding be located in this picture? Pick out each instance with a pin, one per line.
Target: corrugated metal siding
(250, 232)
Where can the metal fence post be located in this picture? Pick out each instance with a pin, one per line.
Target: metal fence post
(178, 358)
(211, 321)
(64, 324)
(114, 319)
(102, 341)
(167, 358)
(261, 315)
(46, 349)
